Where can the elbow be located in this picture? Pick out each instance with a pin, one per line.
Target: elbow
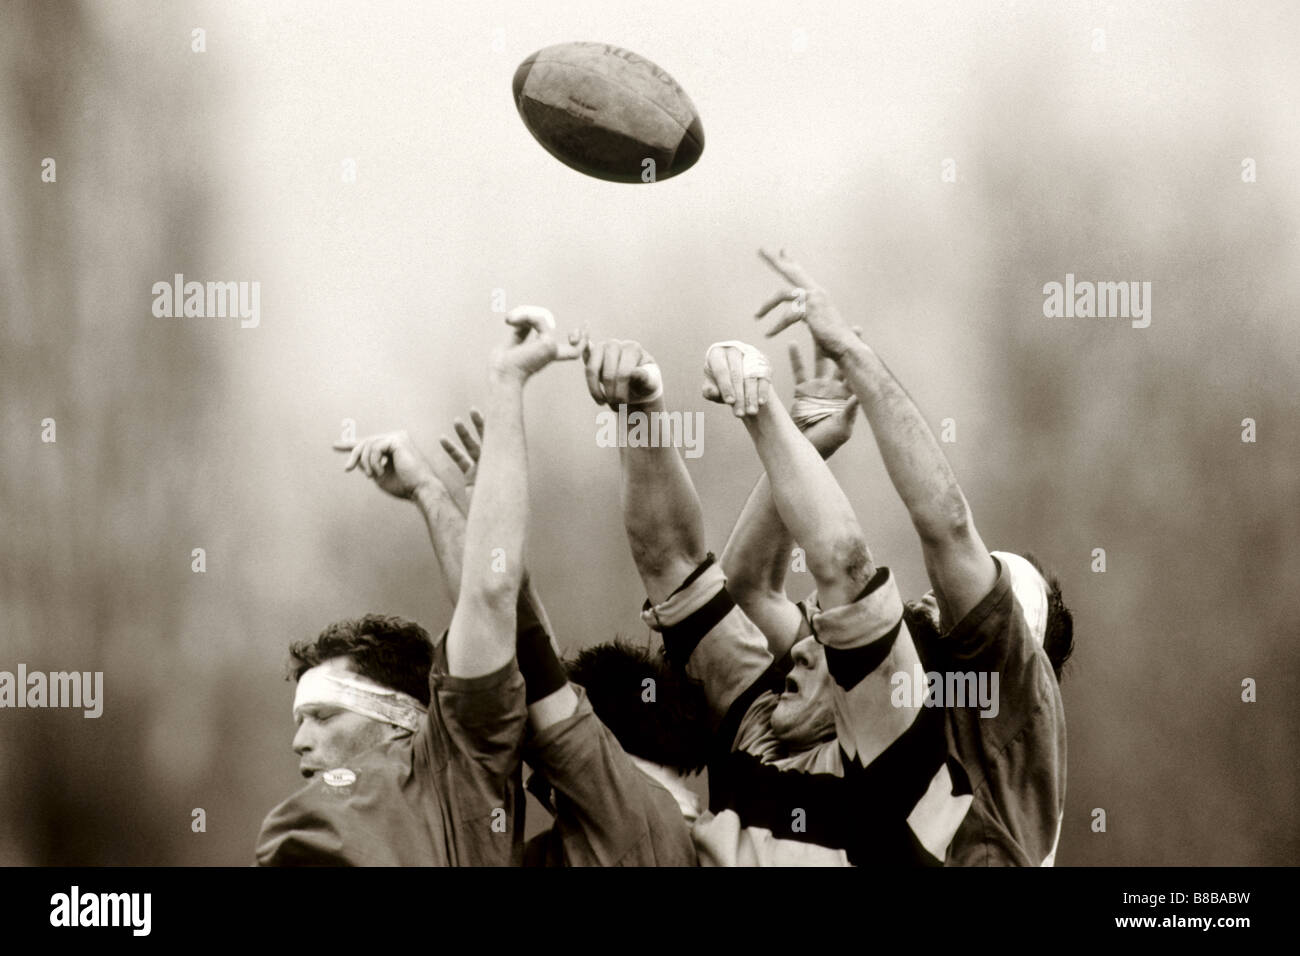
(844, 558)
(660, 556)
(494, 591)
(950, 521)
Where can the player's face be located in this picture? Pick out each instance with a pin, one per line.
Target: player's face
(803, 714)
(330, 736)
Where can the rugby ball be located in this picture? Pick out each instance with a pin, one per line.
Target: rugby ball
(608, 113)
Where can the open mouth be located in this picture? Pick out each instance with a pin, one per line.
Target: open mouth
(307, 772)
(791, 686)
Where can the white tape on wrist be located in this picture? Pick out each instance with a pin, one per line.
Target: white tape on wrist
(808, 410)
(753, 363)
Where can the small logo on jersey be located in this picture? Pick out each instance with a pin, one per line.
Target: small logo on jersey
(341, 777)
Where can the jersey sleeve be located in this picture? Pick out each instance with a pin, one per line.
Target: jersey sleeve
(297, 834)
(608, 813)
(867, 646)
(707, 633)
(473, 741)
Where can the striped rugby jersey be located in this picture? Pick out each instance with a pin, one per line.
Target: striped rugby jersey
(877, 792)
(895, 785)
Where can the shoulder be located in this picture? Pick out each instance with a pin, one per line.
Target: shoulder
(985, 629)
(327, 822)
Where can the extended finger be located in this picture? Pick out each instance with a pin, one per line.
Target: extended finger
(627, 363)
(354, 457)
(377, 451)
(796, 364)
(716, 367)
(787, 295)
(609, 371)
(567, 351)
(592, 355)
(472, 447)
(790, 270)
(574, 347)
(783, 323)
(822, 363)
(751, 395)
(459, 457)
(736, 368)
(363, 457)
(476, 417)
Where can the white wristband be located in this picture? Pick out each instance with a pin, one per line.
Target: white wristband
(808, 410)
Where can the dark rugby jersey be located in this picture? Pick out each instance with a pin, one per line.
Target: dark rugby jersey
(1012, 764)
(447, 795)
(608, 811)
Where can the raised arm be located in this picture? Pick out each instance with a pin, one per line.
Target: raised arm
(758, 553)
(396, 466)
(807, 497)
(466, 456)
(549, 696)
(755, 561)
(704, 632)
(960, 566)
(661, 510)
(481, 638)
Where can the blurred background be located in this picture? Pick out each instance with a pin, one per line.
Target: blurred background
(827, 131)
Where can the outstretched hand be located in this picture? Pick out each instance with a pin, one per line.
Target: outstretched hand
(533, 344)
(466, 454)
(392, 461)
(807, 302)
(824, 406)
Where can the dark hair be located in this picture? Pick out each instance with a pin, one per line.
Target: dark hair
(1058, 641)
(392, 651)
(672, 729)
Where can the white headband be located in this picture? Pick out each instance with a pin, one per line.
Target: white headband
(1030, 590)
(359, 695)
